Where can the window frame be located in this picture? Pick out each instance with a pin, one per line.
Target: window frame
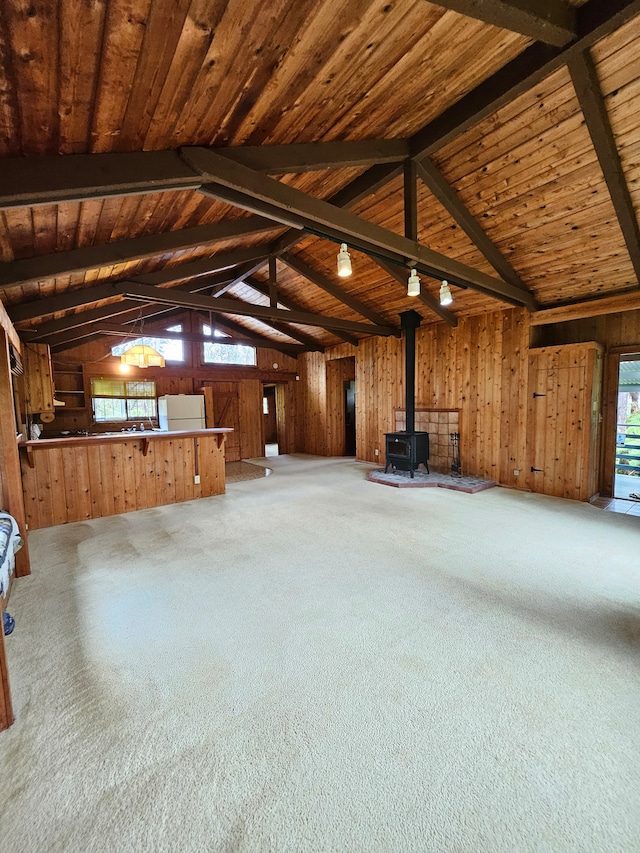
(219, 339)
(125, 398)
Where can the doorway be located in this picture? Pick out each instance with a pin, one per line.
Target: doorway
(277, 399)
(269, 420)
(627, 452)
(350, 417)
(341, 407)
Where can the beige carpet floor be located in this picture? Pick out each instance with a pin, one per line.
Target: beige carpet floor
(314, 662)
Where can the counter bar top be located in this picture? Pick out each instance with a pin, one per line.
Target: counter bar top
(133, 435)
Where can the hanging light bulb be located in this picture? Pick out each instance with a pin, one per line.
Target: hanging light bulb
(344, 261)
(413, 284)
(445, 294)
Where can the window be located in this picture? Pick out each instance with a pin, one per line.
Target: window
(221, 353)
(169, 348)
(123, 400)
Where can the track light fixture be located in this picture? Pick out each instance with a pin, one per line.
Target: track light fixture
(413, 284)
(344, 261)
(445, 294)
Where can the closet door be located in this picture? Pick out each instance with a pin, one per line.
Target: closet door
(563, 420)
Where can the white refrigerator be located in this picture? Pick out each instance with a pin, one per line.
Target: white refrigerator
(181, 411)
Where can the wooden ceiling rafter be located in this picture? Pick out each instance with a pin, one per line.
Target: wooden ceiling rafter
(595, 20)
(195, 338)
(171, 296)
(298, 158)
(549, 21)
(225, 179)
(449, 199)
(97, 293)
(587, 86)
(151, 171)
(290, 304)
(228, 326)
(40, 267)
(320, 280)
(426, 298)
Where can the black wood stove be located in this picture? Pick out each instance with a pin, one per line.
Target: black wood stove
(408, 449)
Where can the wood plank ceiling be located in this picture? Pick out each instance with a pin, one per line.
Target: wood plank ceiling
(180, 144)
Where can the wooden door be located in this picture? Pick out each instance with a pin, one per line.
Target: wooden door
(563, 420)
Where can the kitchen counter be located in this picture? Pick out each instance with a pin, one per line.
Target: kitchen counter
(76, 477)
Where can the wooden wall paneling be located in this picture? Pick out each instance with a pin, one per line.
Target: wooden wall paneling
(251, 420)
(129, 484)
(119, 462)
(227, 414)
(563, 432)
(609, 421)
(6, 706)
(166, 475)
(12, 496)
(338, 371)
(73, 482)
(379, 391)
(335, 409)
(285, 417)
(596, 370)
(211, 470)
(38, 378)
(311, 407)
(209, 415)
(77, 483)
(95, 481)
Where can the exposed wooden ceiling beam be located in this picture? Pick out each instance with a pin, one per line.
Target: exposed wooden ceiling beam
(204, 266)
(314, 156)
(85, 334)
(240, 275)
(339, 293)
(549, 21)
(89, 295)
(629, 301)
(410, 194)
(262, 288)
(77, 177)
(585, 81)
(595, 20)
(78, 326)
(121, 251)
(426, 298)
(194, 338)
(448, 198)
(171, 296)
(336, 223)
(46, 180)
(224, 324)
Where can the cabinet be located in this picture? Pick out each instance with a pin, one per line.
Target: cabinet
(38, 378)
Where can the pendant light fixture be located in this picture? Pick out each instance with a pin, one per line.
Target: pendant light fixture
(413, 284)
(344, 261)
(445, 294)
(142, 355)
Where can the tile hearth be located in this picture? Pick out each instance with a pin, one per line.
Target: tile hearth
(422, 480)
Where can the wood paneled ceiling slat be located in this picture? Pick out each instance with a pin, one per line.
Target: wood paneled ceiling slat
(154, 75)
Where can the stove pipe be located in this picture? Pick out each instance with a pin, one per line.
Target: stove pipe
(409, 321)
